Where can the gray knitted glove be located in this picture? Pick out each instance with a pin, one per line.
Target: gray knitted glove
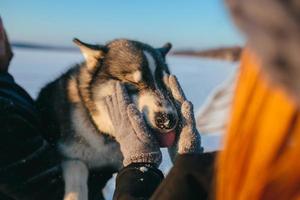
(188, 139)
(136, 141)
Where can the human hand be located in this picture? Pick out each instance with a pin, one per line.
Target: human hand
(188, 138)
(5, 49)
(137, 143)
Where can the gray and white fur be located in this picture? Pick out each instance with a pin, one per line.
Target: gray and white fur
(72, 106)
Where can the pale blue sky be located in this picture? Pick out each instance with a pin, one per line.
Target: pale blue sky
(195, 24)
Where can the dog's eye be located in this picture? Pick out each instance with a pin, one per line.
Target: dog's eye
(131, 88)
(169, 93)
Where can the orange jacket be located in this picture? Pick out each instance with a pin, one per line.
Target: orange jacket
(261, 157)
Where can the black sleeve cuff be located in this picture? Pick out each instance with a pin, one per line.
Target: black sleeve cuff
(137, 181)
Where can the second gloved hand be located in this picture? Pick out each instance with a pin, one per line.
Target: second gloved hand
(188, 138)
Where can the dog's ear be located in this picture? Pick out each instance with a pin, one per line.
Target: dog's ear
(91, 53)
(165, 49)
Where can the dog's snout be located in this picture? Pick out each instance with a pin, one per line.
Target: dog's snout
(165, 121)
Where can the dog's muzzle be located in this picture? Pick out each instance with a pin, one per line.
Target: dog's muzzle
(165, 121)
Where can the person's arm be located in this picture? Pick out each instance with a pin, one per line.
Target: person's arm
(191, 177)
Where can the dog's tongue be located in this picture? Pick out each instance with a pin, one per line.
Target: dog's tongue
(166, 139)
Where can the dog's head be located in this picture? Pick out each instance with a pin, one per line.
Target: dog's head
(142, 69)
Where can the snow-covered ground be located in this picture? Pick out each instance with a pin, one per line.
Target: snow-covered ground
(34, 68)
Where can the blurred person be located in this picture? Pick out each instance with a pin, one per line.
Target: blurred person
(29, 167)
(260, 157)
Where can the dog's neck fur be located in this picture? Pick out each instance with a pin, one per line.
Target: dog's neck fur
(91, 96)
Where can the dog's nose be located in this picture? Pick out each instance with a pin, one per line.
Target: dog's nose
(165, 121)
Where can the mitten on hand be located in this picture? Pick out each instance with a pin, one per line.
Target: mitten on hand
(137, 143)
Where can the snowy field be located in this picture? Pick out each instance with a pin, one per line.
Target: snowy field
(34, 68)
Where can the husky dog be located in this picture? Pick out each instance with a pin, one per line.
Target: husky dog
(76, 121)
